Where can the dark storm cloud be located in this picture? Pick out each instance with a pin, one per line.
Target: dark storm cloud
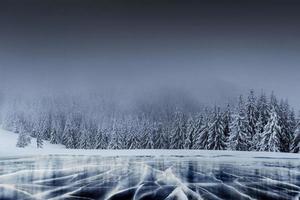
(212, 48)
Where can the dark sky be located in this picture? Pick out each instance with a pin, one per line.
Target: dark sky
(212, 48)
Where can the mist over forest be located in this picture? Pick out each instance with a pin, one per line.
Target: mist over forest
(171, 119)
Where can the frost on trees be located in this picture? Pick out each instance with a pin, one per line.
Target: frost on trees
(190, 134)
(202, 133)
(251, 114)
(240, 137)
(296, 141)
(23, 138)
(97, 124)
(216, 138)
(263, 112)
(160, 141)
(178, 132)
(227, 121)
(69, 134)
(270, 139)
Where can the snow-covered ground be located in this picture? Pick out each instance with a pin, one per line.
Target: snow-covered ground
(8, 148)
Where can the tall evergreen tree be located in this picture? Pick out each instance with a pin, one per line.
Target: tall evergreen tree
(286, 136)
(216, 138)
(270, 139)
(190, 135)
(251, 114)
(227, 121)
(56, 131)
(240, 137)
(296, 141)
(23, 138)
(263, 113)
(160, 138)
(178, 132)
(84, 136)
(202, 132)
(69, 134)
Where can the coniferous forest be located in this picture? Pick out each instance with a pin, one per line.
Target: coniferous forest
(252, 122)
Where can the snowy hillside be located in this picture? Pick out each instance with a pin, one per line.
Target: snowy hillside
(8, 142)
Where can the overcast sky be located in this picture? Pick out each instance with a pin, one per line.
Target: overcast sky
(209, 48)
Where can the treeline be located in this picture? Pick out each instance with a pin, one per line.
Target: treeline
(254, 123)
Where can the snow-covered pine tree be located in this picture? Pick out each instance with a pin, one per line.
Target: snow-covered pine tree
(286, 136)
(114, 142)
(251, 114)
(190, 135)
(178, 132)
(39, 140)
(227, 121)
(263, 113)
(270, 139)
(23, 138)
(292, 127)
(96, 139)
(296, 141)
(84, 136)
(134, 141)
(202, 132)
(273, 104)
(239, 138)
(257, 137)
(149, 140)
(114, 136)
(56, 131)
(69, 134)
(104, 139)
(160, 139)
(263, 110)
(145, 133)
(41, 129)
(216, 137)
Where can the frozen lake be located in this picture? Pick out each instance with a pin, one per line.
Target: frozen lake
(149, 177)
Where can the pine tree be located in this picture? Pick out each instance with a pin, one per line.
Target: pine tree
(84, 137)
(149, 141)
(134, 142)
(274, 102)
(257, 137)
(292, 127)
(263, 110)
(286, 136)
(40, 130)
(191, 131)
(160, 139)
(56, 129)
(114, 142)
(202, 133)
(296, 141)
(23, 138)
(178, 132)
(39, 141)
(98, 138)
(263, 113)
(69, 135)
(216, 138)
(240, 137)
(227, 121)
(252, 114)
(270, 139)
